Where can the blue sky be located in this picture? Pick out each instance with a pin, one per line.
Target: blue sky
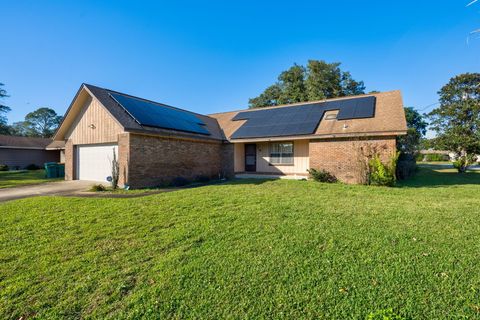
(213, 56)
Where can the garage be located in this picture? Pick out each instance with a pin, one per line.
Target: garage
(94, 162)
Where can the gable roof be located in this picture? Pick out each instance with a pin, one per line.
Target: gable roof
(127, 120)
(386, 118)
(24, 142)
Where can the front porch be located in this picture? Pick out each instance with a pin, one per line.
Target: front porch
(273, 159)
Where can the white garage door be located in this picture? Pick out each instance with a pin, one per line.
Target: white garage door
(94, 162)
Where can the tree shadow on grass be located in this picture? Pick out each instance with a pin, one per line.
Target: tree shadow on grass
(250, 181)
(440, 175)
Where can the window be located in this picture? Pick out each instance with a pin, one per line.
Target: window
(331, 115)
(281, 153)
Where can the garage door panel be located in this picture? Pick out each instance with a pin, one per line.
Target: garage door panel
(94, 162)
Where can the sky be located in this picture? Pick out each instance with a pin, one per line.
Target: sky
(213, 56)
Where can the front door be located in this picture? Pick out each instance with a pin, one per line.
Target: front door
(251, 157)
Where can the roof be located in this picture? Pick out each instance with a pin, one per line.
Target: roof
(130, 124)
(126, 119)
(364, 115)
(55, 145)
(24, 142)
(386, 118)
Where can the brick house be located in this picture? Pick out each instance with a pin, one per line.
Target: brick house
(156, 143)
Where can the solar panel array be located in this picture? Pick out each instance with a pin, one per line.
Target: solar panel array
(300, 119)
(157, 115)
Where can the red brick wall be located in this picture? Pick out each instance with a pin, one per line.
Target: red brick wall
(343, 157)
(123, 157)
(69, 172)
(154, 160)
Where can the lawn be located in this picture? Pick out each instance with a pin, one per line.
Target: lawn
(10, 179)
(248, 249)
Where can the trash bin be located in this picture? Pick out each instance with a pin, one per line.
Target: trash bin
(61, 170)
(51, 170)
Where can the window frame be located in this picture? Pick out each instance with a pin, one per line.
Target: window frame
(280, 157)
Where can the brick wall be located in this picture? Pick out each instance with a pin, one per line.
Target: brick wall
(123, 157)
(343, 157)
(154, 160)
(69, 172)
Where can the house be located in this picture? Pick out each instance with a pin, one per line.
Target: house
(19, 152)
(335, 135)
(155, 143)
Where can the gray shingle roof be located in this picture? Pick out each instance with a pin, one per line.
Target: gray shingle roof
(24, 142)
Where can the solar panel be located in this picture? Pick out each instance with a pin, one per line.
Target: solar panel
(299, 119)
(157, 115)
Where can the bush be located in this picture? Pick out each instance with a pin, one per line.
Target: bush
(202, 179)
(405, 169)
(3, 167)
(460, 164)
(382, 174)
(406, 166)
(180, 182)
(32, 167)
(322, 176)
(432, 157)
(98, 187)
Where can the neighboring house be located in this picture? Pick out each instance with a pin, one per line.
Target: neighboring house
(19, 152)
(156, 143)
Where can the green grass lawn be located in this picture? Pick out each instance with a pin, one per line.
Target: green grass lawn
(10, 179)
(248, 249)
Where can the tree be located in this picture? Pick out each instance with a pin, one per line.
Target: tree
(20, 128)
(457, 120)
(4, 129)
(324, 80)
(292, 85)
(40, 123)
(319, 80)
(268, 98)
(416, 130)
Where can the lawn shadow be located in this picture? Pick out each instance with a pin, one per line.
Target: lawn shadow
(250, 181)
(433, 175)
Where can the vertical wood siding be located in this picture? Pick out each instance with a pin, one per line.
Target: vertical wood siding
(93, 113)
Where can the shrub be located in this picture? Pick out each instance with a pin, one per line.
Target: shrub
(406, 166)
(322, 176)
(3, 167)
(98, 187)
(405, 169)
(382, 174)
(202, 179)
(460, 164)
(432, 157)
(32, 166)
(179, 182)
(115, 171)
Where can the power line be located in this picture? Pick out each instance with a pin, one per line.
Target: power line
(426, 107)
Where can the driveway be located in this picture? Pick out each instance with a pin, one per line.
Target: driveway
(44, 189)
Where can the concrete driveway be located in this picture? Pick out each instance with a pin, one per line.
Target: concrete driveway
(45, 189)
